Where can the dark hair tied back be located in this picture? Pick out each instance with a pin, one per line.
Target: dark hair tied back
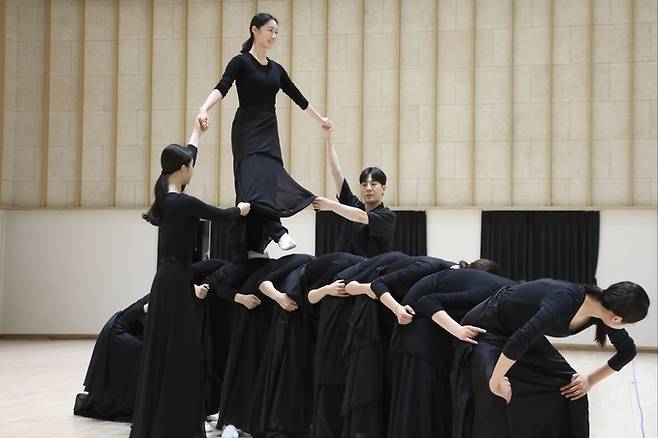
(173, 157)
(258, 20)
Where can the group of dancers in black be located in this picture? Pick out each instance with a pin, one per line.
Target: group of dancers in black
(364, 342)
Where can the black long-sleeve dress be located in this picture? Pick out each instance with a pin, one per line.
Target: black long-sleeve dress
(169, 400)
(111, 377)
(257, 164)
(331, 366)
(517, 318)
(248, 340)
(224, 283)
(421, 352)
(285, 381)
(368, 384)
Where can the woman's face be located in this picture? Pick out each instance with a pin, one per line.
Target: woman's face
(266, 35)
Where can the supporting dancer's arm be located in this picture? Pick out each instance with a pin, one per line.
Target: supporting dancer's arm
(350, 213)
(336, 171)
(335, 289)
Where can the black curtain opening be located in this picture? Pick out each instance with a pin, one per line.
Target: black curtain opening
(542, 244)
(410, 235)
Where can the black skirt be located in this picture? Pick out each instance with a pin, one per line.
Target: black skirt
(537, 408)
(329, 370)
(111, 378)
(258, 167)
(366, 400)
(169, 401)
(248, 341)
(421, 357)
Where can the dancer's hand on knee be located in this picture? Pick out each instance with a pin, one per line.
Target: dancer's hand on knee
(337, 289)
(468, 333)
(405, 314)
(286, 303)
(249, 301)
(579, 387)
(502, 389)
(201, 291)
(244, 207)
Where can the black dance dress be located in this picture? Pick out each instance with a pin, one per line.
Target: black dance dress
(331, 368)
(257, 164)
(248, 340)
(224, 283)
(421, 352)
(169, 400)
(517, 318)
(111, 378)
(368, 385)
(285, 381)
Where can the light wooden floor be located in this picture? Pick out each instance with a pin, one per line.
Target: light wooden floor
(39, 380)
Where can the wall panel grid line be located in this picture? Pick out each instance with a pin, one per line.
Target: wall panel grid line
(474, 5)
(398, 97)
(2, 91)
(590, 98)
(46, 104)
(362, 86)
(551, 109)
(325, 95)
(186, 29)
(115, 101)
(631, 108)
(149, 102)
(435, 109)
(220, 58)
(511, 100)
(81, 102)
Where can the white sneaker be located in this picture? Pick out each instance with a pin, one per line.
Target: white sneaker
(286, 243)
(211, 418)
(230, 432)
(209, 427)
(257, 255)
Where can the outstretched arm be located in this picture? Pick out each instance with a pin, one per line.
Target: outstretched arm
(350, 213)
(336, 171)
(201, 120)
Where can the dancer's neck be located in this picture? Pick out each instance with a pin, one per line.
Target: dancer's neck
(259, 53)
(174, 188)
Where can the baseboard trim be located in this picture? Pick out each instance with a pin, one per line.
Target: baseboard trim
(46, 336)
(78, 336)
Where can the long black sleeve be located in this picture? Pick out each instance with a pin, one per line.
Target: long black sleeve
(291, 90)
(407, 275)
(554, 308)
(196, 208)
(433, 303)
(231, 73)
(625, 347)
